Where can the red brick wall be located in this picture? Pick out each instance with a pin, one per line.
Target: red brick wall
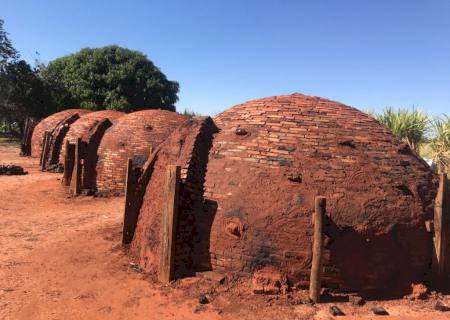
(188, 147)
(50, 124)
(250, 203)
(379, 193)
(82, 127)
(131, 137)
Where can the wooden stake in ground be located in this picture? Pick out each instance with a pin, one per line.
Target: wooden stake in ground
(129, 216)
(315, 281)
(24, 145)
(75, 184)
(69, 159)
(45, 144)
(169, 221)
(440, 226)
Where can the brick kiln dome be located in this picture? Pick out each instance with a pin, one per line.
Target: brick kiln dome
(131, 137)
(88, 125)
(249, 178)
(51, 123)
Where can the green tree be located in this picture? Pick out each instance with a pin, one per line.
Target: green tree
(109, 78)
(7, 51)
(440, 143)
(410, 125)
(22, 94)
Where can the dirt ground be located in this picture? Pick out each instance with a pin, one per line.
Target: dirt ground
(61, 258)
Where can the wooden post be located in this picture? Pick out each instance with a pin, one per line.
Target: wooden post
(44, 152)
(25, 129)
(75, 184)
(43, 145)
(317, 254)
(69, 157)
(30, 127)
(129, 223)
(440, 226)
(169, 227)
(23, 145)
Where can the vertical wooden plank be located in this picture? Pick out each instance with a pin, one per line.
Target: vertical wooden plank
(129, 216)
(75, 184)
(440, 226)
(315, 281)
(169, 220)
(67, 173)
(42, 150)
(69, 162)
(31, 125)
(45, 149)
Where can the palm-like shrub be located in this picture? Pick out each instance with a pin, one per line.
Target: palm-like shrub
(410, 125)
(440, 143)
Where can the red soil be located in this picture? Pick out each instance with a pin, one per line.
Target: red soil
(60, 258)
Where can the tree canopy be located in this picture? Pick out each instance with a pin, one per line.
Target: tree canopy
(22, 92)
(109, 78)
(7, 51)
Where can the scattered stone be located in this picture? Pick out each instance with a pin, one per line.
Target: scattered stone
(215, 277)
(335, 311)
(419, 291)
(202, 299)
(135, 267)
(269, 280)
(380, 311)
(440, 306)
(356, 300)
(11, 170)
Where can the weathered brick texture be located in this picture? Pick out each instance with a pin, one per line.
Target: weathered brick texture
(273, 156)
(83, 127)
(188, 147)
(51, 123)
(250, 203)
(131, 137)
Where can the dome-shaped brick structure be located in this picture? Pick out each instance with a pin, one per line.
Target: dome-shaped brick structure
(87, 126)
(248, 182)
(131, 137)
(90, 128)
(57, 124)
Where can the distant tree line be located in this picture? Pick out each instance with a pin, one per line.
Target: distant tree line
(102, 78)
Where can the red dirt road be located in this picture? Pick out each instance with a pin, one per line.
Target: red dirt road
(60, 258)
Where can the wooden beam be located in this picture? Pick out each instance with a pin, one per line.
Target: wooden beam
(69, 157)
(23, 144)
(75, 184)
(129, 223)
(315, 281)
(440, 226)
(169, 224)
(44, 151)
(31, 125)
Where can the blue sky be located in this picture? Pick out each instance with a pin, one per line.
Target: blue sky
(365, 53)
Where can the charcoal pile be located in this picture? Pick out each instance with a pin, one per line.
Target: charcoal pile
(11, 170)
